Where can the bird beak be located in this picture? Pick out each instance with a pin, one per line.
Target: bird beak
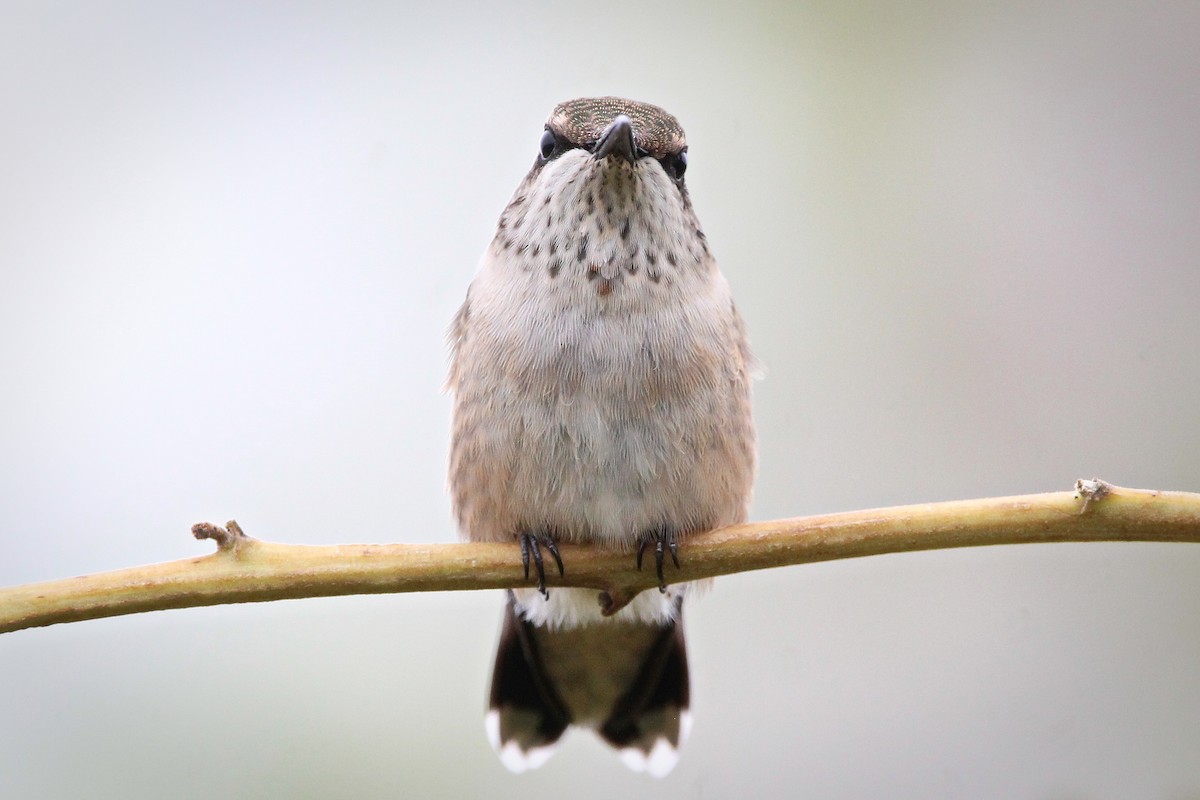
(617, 140)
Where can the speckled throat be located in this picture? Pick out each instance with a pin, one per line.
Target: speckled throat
(605, 222)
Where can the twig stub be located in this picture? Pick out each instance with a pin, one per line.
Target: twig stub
(227, 538)
(1091, 489)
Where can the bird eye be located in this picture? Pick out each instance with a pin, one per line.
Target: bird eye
(680, 160)
(675, 164)
(547, 145)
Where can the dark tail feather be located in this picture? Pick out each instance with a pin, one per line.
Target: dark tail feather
(525, 715)
(650, 723)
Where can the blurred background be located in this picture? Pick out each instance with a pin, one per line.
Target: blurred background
(964, 237)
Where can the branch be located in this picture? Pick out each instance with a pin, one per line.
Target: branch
(247, 570)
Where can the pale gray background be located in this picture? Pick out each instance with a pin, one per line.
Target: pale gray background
(964, 237)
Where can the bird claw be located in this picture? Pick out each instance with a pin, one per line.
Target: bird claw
(532, 544)
(664, 541)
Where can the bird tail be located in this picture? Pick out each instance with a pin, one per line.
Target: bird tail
(629, 681)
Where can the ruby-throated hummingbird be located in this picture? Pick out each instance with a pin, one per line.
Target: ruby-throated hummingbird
(601, 380)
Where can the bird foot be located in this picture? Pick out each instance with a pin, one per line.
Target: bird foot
(663, 540)
(531, 545)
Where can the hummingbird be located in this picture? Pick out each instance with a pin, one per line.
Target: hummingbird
(601, 381)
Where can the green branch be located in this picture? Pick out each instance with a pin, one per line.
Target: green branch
(247, 570)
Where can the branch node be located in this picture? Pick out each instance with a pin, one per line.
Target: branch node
(227, 538)
(1090, 489)
(614, 598)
